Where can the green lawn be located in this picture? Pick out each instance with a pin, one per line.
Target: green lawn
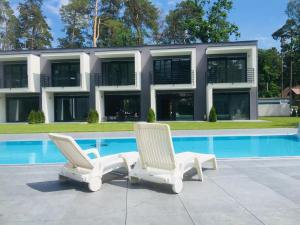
(270, 122)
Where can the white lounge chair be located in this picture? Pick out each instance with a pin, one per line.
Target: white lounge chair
(157, 161)
(84, 169)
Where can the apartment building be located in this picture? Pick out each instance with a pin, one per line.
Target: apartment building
(179, 82)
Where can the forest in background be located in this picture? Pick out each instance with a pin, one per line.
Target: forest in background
(113, 23)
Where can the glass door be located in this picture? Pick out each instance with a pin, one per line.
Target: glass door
(122, 107)
(232, 106)
(18, 108)
(71, 108)
(175, 106)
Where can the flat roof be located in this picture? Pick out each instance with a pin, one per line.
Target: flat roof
(152, 46)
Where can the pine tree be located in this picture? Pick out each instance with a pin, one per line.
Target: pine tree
(114, 32)
(199, 21)
(34, 30)
(9, 28)
(75, 17)
(142, 16)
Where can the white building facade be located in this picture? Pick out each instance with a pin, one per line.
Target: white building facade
(179, 82)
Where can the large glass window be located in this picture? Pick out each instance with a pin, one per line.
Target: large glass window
(122, 107)
(15, 75)
(66, 74)
(232, 106)
(118, 72)
(18, 108)
(175, 70)
(71, 108)
(229, 69)
(175, 106)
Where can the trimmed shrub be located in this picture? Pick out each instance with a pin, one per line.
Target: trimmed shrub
(93, 117)
(212, 115)
(32, 117)
(40, 117)
(294, 113)
(151, 116)
(35, 117)
(294, 110)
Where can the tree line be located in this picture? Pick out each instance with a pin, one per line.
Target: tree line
(110, 23)
(113, 23)
(279, 69)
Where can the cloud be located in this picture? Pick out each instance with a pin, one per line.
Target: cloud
(172, 3)
(54, 6)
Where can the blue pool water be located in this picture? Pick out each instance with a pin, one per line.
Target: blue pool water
(35, 152)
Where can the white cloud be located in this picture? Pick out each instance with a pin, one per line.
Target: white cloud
(172, 3)
(63, 2)
(54, 6)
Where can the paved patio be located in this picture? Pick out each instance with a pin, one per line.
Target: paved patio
(241, 192)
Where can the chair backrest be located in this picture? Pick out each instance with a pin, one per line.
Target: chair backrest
(155, 145)
(72, 151)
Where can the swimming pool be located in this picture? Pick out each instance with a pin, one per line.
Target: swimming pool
(39, 152)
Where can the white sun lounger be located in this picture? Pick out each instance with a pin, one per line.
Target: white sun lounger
(84, 169)
(157, 161)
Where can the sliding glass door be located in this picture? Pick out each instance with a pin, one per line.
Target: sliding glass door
(232, 106)
(71, 108)
(175, 106)
(18, 108)
(122, 107)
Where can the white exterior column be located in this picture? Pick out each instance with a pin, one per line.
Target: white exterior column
(85, 71)
(138, 68)
(33, 71)
(48, 106)
(209, 99)
(153, 99)
(99, 98)
(2, 108)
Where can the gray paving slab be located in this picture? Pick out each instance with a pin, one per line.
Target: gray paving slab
(240, 192)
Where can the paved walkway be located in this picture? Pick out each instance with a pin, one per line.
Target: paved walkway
(241, 192)
(94, 135)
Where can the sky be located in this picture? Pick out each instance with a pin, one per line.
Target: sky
(256, 19)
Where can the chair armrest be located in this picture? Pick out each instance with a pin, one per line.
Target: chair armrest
(93, 151)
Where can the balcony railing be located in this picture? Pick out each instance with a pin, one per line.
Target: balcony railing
(66, 81)
(14, 83)
(107, 80)
(174, 78)
(227, 76)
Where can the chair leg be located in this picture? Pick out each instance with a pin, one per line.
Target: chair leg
(214, 162)
(198, 167)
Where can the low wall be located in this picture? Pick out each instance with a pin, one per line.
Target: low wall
(273, 109)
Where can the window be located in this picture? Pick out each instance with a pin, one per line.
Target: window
(175, 70)
(18, 108)
(232, 106)
(71, 108)
(66, 74)
(118, 72)
(15, 75)
(229, 69)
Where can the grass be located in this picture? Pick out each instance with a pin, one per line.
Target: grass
(269, 122)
